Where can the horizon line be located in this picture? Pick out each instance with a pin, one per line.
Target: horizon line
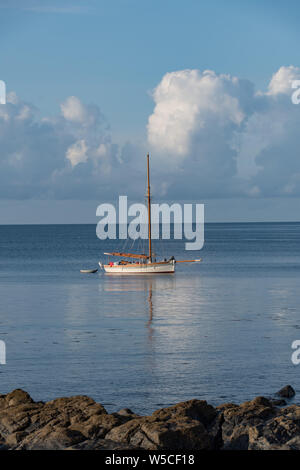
(172, 223)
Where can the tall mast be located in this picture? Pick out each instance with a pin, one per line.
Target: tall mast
(149, 208)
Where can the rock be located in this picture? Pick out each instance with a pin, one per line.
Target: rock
(280, 432)
(97, 426)
(287, 392)
(258, 425)
(151, 434)
(278, 402)
(242, 422)
(58, 424)
(194, 409)
(101, 444)
(79, 423)
(293, 444)
(49, 438)
(126, 412)
(188, 425)
(18, 396)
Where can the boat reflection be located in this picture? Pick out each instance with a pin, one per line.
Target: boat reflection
(150, 317)
(150, 303)
(152, 286)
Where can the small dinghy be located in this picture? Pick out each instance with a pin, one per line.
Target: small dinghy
(88, 271)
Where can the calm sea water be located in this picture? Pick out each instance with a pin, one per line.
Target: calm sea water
(220, 330)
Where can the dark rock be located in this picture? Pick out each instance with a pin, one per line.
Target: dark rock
(188, 425)
(101, 444)
(56, 424)
(97, 426)
(278, 402)
(287, 392)
(194, 409)
(258, 425)
(241, 422)
(17, 397)
(282, 432)
(126, 412)
(150, 433)
(80, 423)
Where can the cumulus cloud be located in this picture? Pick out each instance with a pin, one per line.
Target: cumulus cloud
(62, 157)
(210, 135)
(220, 137)
(77, 153)
(73, 110)
(185, 101)
(282, 80)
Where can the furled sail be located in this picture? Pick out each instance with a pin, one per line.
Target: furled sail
(127, 255)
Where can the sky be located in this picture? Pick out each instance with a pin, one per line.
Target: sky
(204, 86)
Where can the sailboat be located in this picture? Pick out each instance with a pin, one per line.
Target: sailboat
(143, 263)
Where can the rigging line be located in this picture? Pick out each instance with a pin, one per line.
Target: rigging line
(140, 248)
(125, 244)
(132, 244)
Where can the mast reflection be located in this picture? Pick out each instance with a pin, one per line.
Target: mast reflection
(150, 317)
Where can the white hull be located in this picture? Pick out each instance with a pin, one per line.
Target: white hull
(142, 266)
(167, 267)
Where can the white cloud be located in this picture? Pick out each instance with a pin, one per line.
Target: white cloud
(77, 152)
(215, 135)
(185, 101)
(210, 136)
(73, 110)
(260, 131)
(24, 113)
(281, 82)
(66, 156)
(12, 97)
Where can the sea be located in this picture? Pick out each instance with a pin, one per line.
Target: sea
(220, 330)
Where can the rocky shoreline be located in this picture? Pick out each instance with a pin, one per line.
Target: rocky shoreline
(80, 423)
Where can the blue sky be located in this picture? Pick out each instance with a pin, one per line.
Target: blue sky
(115, 52)
(112, 55)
